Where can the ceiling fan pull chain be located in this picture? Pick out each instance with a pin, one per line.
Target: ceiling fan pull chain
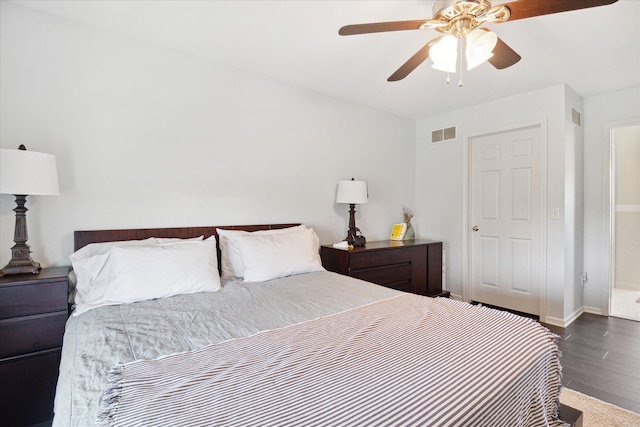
(461, 50)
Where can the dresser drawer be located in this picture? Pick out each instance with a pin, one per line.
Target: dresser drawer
(380, 258)
(32, 333)
(33, 314)
(412, 266)
(27, 388)
(385, 275)
(388, 282)
(25, 300)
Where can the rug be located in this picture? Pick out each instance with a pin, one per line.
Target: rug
(597, 413)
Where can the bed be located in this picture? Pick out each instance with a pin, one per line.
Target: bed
(279, 341)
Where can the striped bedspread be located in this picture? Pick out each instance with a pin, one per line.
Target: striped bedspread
(405, 361)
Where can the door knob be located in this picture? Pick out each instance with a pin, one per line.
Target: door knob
(475, 228)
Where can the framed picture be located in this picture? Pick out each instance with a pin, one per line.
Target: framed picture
(398, 230)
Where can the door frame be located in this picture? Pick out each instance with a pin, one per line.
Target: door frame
(466, 206)
(609, 210)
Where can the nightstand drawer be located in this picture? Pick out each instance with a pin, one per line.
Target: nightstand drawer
(31, 334)
(28, 387)
(385, 275)
(37, 298)
(380, 258)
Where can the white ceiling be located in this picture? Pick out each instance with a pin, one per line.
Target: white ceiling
(296, 41)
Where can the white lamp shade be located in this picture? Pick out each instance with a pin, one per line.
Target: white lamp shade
(480, 44)
(444, 54)
(28, 172)
(352, 192)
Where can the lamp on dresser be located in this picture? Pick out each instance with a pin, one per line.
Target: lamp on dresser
(25, 173)
(353, 193)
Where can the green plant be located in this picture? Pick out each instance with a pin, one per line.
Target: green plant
(407, 214)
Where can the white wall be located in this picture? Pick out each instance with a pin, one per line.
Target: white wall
(573, 209)
(600, 114)
(149, 137)
(439, 183)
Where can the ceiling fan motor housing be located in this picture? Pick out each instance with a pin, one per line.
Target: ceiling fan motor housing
(460, 17)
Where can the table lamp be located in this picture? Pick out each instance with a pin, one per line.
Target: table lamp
(354, 193)
(25, 173)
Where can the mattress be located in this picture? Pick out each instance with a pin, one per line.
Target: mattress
(523, 387)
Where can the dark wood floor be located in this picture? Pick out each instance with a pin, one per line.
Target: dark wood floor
(601, 358)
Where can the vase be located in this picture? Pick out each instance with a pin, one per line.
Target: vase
(410, 234)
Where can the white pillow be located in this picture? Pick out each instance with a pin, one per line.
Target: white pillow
(91, 250)
(128, 274)
(102, 248)
(71, 296)
(267, 257)
(230, 259)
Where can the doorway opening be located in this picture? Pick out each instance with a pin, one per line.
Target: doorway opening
(624, 298)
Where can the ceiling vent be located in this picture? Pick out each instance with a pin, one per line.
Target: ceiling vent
(442, 135)
(576, 117)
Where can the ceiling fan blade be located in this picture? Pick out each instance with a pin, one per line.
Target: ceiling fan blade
(412, 63)
(530, 8)
(503, 56)
(380, 27)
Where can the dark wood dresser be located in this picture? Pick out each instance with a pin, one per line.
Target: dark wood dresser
(33, 313)
(411, 266)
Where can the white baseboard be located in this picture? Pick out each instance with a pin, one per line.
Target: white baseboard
(456, 297)
(563, 323)
(555, 321)
(593, 310)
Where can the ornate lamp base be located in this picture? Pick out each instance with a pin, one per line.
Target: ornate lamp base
(20, 265)
(351, 231)
(21, 261)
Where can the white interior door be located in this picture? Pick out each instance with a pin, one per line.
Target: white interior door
(506, 249)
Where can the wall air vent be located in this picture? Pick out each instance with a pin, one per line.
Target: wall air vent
(436, 136)
(576, 117)
(442, 135)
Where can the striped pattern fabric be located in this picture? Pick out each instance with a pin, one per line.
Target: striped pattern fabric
(403, 361)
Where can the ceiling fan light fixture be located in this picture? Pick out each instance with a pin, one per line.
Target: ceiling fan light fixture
(462, 19)
(479, 47)
(474, 62)
(444, 54)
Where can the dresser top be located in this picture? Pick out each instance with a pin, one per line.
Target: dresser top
(52, 273)
(386, 244)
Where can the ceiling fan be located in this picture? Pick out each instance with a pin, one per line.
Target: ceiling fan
(461, 23)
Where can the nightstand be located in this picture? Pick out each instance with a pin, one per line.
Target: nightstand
(412, 266)
(33, 313)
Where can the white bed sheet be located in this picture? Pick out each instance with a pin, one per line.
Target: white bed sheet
(97, 340)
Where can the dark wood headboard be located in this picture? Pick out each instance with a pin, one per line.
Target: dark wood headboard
(83, 238)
